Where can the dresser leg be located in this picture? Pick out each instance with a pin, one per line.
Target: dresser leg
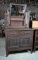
(6, 53)
(34, 49)
(31, 50)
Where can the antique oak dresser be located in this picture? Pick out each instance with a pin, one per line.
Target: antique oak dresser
(18, 36)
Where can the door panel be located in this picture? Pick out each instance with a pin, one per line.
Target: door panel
(26, 41)
(13, 42)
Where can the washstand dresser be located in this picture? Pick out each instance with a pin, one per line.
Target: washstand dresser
(18, 36)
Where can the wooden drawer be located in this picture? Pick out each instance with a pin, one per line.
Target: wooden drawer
(36, 32)
(36, 38)
(26, 33)
(12, 33)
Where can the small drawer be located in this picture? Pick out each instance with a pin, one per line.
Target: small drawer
(36, 38)
(27, 33)
(36, 32)
(13, 33)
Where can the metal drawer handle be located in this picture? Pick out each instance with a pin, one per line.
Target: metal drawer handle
(13, 33)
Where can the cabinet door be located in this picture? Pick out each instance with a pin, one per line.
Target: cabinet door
(13, 42)
(26, 41)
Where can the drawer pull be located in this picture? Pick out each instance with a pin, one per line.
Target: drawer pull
(13, 33)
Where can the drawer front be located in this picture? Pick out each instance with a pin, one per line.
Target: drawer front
(27, 33)
(13, 42)
(36, 43)
(36, 32)
(26, 41)
(12, 33)
(36, 38)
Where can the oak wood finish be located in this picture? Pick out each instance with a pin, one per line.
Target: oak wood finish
(17, 21)
(18, 39)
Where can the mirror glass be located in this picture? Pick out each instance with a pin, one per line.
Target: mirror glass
(18, 10)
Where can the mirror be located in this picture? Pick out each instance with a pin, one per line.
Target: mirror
(17, 9)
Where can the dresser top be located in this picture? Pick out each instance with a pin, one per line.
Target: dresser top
(19, 28)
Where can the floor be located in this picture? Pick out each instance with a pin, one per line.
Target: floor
(16, 56)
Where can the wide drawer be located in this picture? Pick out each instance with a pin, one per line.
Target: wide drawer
(12, 33)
